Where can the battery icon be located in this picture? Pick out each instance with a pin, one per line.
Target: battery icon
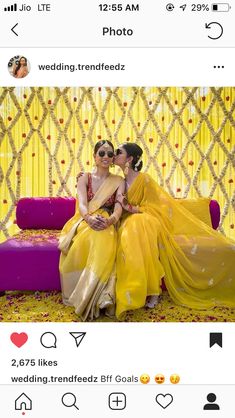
(220, 7)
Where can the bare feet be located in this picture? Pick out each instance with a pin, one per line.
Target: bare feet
(151, 301)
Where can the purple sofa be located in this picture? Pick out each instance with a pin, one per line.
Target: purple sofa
(30, 259)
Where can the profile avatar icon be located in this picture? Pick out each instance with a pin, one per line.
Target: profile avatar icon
(211, 397)
(19, 66)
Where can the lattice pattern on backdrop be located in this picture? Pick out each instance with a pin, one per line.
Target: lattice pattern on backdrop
(47, 136)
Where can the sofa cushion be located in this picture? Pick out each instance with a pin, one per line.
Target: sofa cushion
(44, 212)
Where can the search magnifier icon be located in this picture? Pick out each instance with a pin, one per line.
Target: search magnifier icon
(69, 399)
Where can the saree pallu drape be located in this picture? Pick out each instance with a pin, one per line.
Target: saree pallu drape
(87, 261)
(166, 240)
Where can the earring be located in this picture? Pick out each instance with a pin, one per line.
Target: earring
(126, 169)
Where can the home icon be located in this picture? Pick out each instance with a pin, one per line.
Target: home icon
(23, 402)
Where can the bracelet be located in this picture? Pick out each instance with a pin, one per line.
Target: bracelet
(85, 216)
(113, 216)
(117, 201)
(130, 207)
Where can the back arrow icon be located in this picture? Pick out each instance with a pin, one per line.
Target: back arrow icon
(208, 26)
(12, 29)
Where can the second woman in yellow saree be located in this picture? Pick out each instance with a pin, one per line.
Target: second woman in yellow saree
(159, 238)
(88, 240)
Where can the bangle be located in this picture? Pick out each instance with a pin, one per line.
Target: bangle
(130, 207)
(113, 216)
(117, 201)
(85, 216)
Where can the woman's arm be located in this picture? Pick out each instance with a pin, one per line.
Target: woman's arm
(117, 212)
(92, 221)
(122, 200)
(82, 194)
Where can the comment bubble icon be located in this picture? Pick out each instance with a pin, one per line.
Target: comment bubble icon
(48, 340)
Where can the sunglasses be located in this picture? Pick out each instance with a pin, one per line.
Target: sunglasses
(110, 154)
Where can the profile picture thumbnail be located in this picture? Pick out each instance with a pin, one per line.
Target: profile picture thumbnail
(19, 66)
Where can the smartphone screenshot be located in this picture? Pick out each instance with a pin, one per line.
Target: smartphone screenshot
(117, 208)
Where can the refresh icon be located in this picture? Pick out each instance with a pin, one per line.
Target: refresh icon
(220, 30)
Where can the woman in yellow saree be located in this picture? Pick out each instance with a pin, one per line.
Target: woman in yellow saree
(88, 240)
(159, 238)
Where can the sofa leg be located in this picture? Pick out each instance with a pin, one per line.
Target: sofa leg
(2, 294)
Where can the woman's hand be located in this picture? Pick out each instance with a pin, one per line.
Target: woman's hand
(97, 222)
(127, 206)
(121, 198)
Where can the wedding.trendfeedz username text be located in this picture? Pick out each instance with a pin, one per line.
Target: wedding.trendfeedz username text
(101, 66)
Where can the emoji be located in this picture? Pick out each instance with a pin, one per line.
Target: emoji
(174, 378)
(159, 378)
(144, 378)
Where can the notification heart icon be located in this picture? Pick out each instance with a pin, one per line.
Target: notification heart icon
(19, 339)
(164, 400)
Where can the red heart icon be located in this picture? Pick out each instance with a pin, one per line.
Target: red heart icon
(19, 339)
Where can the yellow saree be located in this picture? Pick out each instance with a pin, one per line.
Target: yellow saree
(88, 257)
(166, 240)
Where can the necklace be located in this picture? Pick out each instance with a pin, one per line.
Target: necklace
(101, 178)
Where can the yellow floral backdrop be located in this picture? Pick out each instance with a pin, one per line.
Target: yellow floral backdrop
(47, 135)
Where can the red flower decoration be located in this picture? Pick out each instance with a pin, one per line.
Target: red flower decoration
(203, 98)
(73, 140)
(14, 222)
(25, 96)
(9, 118)
(138, 124)
(88, 163)
(53, 182)
(49, 102)
(227, 98)
(215, 163)
(4, 200)
(33, 154)
(228, 141)
(75, 99)
(150, 139)
(178, 189)
(86, 121)
(62, 161)
(230, 181)
(190, 121)
(35, 118)
(128, 138)
(99, 88)
(176, 145)
(17, 173)
(164, 164)
(113, 121)
(191, 162)
(99, 136)
(232, 226)
(61, 120)
(125, 104)
(176, 102)
(23, 135)
(49, 137)
(150, 103)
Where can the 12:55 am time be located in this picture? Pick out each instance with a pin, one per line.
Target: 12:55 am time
(119, 7)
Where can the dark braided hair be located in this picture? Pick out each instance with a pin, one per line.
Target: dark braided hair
(133, 150)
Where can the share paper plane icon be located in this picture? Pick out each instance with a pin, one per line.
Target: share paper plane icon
(78, 336)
